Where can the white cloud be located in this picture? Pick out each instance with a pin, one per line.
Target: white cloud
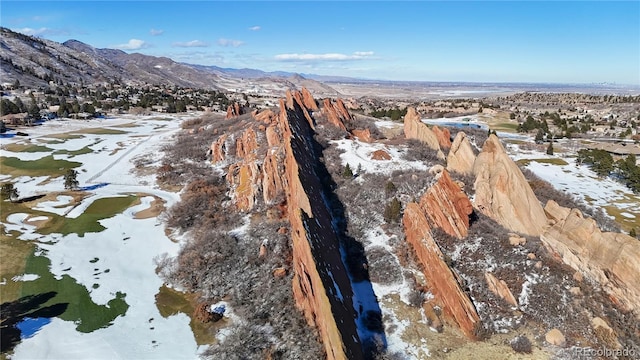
(156, 32)
(43, 31)
(255, 28)
(358, 55)
(230, 42)
(133, 44)
(192, 43)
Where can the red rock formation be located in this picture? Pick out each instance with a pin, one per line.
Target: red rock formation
(308, 101)
(245, 179)
(503, 193)
(233, 110)
(317, 265)
(447, 207)
(266, 116)
(414, 128)
(246, 144)
(272, 182)
(273, 138)
(334, 113)
(444, 137)
(461, 156)
(500, 288)
(609, 258)
(218, 149)
(380, 155)
(362, 135)
(294, 101)
(441, 280)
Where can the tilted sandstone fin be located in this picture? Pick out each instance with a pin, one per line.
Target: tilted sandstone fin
(461, 156)
(447, 207)
(414, 128)
(440, 278)
(609, 258)
(503, 193)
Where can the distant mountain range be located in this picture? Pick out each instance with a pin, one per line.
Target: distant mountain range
(37, 62)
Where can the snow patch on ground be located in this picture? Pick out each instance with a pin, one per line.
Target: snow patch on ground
(126, 248)
(25, 277)
(579, 181)
(357, 153)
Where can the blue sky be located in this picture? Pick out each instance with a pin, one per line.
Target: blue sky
(504, 41)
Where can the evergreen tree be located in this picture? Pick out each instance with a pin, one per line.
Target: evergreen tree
(632, 233)
(347, 173)
(71, 179)
(8, 191)
(393, 211)
(550, 149)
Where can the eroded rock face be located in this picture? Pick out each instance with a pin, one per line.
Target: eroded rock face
(246, 144)
(447, 207)
(444, 137)
(362, 135)
(500, 288)
(442, 281)
(319, 273)
(336, 113)
(380, 155)
(503, 193)
(461, 156)
(414, 128)
(233, 110)
(245, 179)
(609, 258)
(219, 149)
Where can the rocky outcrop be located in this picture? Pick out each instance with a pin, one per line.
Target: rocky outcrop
(247, 143)
(336, 113)
(321, 286)
(219, 149)
(233, 110)
(444, 137)
(380, 155)
(461, 156)
(308, 101)
(272, 182)
(447, 207)
(414, 128)
(362, 135)
(245, 180)
(441, 280)
(555, 337)
(266, 116)
(500, 288)
(609, 258)
(503, 193)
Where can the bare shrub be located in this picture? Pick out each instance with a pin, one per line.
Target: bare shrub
(383, 267)
(521, 344)
(419, 151)
(200, 205)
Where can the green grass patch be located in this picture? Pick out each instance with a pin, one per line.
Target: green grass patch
(14, 257)
(127, 125)
(87, 315)
(505, 126)
(171, 302)
(89, 220)
(28, 148)
(626, 223)
(84, 150)
(46, 166)
(553, 161)
(63, 136)
(100, 131)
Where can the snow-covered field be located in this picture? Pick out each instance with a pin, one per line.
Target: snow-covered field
(117, 259)
(584, 184)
